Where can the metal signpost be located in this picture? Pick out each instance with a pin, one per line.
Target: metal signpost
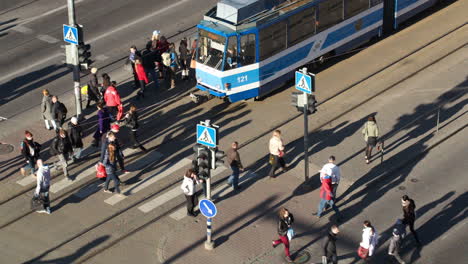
(70, 35)
(305, 82)
(207, 135)
(208, 209)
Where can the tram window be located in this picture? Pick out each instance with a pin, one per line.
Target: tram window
(301, 26)
(354, 7)
(247, 49)
(231, 54)
(273, 39)
(210, 49)
(375, 2)
(330, 14)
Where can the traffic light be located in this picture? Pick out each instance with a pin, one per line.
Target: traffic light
(84, 55)
(194, 166)
(218, 155)
(298, 100)
(203, 162)
(311, 104)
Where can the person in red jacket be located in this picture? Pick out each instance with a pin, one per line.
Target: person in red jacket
(112, 98)
(142, 77)
(326, 197)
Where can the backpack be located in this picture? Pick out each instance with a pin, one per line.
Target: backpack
(45, 183)
(166, 59)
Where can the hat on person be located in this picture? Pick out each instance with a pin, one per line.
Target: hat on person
(93, 70)
(156, 32)
(115, 128)
(396, 232)
(74, 120)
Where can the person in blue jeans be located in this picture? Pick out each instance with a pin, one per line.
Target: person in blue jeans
(110, 162)
(235, 163)
(326, 197)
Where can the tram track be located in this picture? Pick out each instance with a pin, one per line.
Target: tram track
(247, 142)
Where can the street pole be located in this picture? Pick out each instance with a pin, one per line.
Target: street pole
(306, 133)
(74, 59)
(209, 245)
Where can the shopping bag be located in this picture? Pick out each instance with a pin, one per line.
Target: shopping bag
(291, 234)
(84, 90)
(363, 252)
(100, 171)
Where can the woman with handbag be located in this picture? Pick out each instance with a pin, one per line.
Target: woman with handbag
(276, 148)
(284, 225)
(369, 241)
(371, 133)
(110, 162)
(188, 187)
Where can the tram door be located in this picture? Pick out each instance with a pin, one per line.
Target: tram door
(389, 16)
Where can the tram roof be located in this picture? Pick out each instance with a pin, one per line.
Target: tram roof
(243, 14)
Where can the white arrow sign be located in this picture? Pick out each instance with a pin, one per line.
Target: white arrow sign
(208, 208)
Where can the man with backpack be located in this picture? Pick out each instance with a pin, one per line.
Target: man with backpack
(59, 111)
(30, 151)
(42, 187)
(62, 148)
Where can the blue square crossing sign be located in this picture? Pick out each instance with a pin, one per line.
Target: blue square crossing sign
(70, 34)
(305, 83)
(207, 136)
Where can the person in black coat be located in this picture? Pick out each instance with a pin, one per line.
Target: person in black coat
(131, 120)
(329, 247)
(30, 151)
(285, 221)
(76, 134)
(59, 111)
(149, 63)
(62, 148)
(93, 88)
(409, 215)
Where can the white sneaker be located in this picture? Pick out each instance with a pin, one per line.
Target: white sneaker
(41, 211)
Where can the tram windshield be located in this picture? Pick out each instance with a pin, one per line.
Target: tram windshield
(210, 49)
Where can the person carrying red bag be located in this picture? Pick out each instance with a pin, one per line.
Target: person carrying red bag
(142, 77)
(112, 98)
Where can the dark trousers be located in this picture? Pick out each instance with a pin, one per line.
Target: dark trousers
(190, 203)
(411, 227)
(233, 180)
(371, 143)
(276, 161)
(285, 241)
(113, 110)
(142, 87)
(134, 140)
(135, 76)
(332, 258)
(44, 196)
(111, 176)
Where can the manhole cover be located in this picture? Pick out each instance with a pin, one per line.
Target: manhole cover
(402, 188)
(414, 180)
(302, 257)
(6, 148)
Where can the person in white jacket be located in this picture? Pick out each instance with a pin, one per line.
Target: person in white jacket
(188, 187)
(369, 241)
(276, 148)
(42, 187)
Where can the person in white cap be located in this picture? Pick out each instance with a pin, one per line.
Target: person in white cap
(76, 134)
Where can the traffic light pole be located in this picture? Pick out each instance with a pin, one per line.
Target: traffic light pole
(209, 245)
(306, 141)
(75, 61)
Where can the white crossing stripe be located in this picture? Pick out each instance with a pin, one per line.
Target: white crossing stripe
(22, 29)
(47, 38)
(173, 193)
(148, 181)
(27, 180)
(218, 192)
(64, 183)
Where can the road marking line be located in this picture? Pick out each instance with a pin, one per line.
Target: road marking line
(101, 57)
(218, 192)
(167, 196)
(47, 38)
(28, 20)
(65, 182)
(148, 181)
(22, 29)
(27, 180)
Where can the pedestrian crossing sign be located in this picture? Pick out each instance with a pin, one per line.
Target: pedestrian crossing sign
(207, 136)
(305, 82)
(70, 34)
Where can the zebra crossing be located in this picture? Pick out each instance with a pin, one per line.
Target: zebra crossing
(129, 191)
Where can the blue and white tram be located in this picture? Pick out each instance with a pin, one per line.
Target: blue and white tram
(247, 48)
